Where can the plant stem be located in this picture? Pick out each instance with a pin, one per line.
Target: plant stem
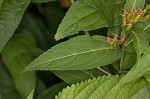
(104, 71)
(124, 42)
(122, 47)
(72, 1)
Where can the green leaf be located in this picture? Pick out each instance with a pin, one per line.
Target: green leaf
(89, 15)
(11, 12)
(76, 76)
(138, 4)
(79, 53)
(147, 1)
(140, 41)
(145, 26)
(1, 1)
(52, 91)
(17, 54)
(139, 70)
(42, 1)
(147, 77)
(143, 93)
(7, 87)
(54, 15)
(29, 23)
(101, 88)
(127, 61)
(130, 47)
(31, 95)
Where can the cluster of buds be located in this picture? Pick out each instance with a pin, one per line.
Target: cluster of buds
(116, 41)
(133, 16)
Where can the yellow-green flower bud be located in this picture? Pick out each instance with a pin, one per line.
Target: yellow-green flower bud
(146, 18)
(129, 16)
(128, 27)
(111, 43)
(133, 15)
(145, 10)
(136, 18)
(124, 24)
(141, 17)
(115, 44)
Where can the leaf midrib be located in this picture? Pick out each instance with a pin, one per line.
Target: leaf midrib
(137, 42)
(133, 4)
(71, 55)
(76, 21)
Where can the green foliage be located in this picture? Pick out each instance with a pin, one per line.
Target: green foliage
(1, 3)
(103, 53)
(101, 88)
(79, 53)
(131, 4)
(95, 14)
(20, 55)
(31, 95)
(77, 75)
(11, 12)
(145, 92)
(140, 41)
(52, 91)
(7, 87)
(140, 69)
(41, 1)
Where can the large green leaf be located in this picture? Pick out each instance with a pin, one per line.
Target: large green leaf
(52, 91)
(89, 15)
(17, 54)
(11, 12)
(131, 4)
(42, 1)
(139, 70)
(76, 76)
(101, 88)
(7, 88)
(143, 93)
(79, 53)
(140, 41)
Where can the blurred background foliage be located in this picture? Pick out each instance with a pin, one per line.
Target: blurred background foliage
(39, 24)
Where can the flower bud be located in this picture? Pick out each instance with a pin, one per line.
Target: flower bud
(129, 16)
(145, 10)
(146, 18)
(128, 27)
(136, 18)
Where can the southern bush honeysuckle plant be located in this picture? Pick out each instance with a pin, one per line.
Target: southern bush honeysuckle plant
(111, 62)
